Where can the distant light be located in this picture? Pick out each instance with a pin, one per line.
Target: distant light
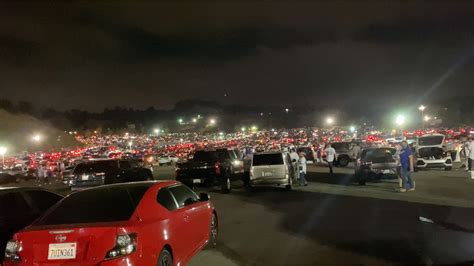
(95, 131)
(273, 130)
(287, 110)
(212, 121)
(37, 138)
(400, 120)
(243, 129)
(427, 118)
(130, 143)
(329, 120)
(261, 114)
(422, 108)
(180, 120)
(194, 120)
(156, 130)
(254, 128)
(221, 133)
(352, 128)
(199, 116)
(3, 150)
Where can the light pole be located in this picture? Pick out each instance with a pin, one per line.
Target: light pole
(400, 120)
(422, 109)
(3, 150)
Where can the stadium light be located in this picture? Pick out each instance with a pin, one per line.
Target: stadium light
(427, 118)
(329, 120)
(422, 108)
(37, 138)
(400, 120)
(212, 121)
(156, 130)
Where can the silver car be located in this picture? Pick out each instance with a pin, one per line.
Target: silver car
(374, 162)
(271, 168)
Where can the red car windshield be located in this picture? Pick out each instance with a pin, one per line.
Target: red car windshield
(106, 204)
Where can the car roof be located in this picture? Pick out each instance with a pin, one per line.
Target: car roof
(19, 189)
(159, 183)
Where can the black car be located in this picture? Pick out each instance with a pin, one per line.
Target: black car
(19, 207)
(217, 167)
(101, 172)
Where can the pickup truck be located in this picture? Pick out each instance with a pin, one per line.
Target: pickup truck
(217, 167)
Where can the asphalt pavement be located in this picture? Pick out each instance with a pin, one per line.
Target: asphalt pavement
(336, 221)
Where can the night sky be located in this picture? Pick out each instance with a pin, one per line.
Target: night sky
(141, 54)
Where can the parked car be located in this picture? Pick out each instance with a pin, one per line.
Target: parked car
(343, 153)
(374, 162)
(101, 172)
(210, 168)
(164, 160)
(141, 223)
(19, 207)
(271, 168)
(431, 153)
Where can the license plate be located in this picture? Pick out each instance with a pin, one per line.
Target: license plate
(197, 181)
(267, 173)
(85, 177)
(62, 251)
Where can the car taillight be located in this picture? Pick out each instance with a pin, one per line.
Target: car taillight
(12, 251)
(124, 245)
(218, 168)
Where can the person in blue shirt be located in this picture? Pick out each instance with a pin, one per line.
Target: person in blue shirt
(406, 163)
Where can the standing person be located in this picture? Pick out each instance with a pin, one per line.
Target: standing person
(330, 156)
(470, 149)
(302, 169)
(39, 173)
(294, 162)
(356, 151)
(396, 156)
(406, 167)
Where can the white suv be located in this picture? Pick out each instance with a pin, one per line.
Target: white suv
(431, 153)
(271, 168)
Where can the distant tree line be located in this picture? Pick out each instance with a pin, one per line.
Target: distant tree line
(454, 112)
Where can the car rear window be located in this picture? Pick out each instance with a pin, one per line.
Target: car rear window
(105, 204)
(267, 159)
(378, 155)
(205, 156)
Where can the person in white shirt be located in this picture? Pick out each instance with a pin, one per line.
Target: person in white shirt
(470, 150)
(294, 163)
(330, 156)
(302, 169)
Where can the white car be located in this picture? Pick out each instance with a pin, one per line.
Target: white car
(431, 153)
(270, 168)
(164, 160)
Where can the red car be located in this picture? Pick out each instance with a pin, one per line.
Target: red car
(142, 223)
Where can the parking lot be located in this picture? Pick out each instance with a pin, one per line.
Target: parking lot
(335, 221)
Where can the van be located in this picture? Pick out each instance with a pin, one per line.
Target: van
(271, 168)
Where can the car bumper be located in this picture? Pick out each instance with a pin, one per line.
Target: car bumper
(262, 181)
(130, 260)
(441, 163)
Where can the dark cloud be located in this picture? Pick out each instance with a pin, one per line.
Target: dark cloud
(96, 54)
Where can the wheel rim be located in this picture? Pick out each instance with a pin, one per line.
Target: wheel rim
(213, 229)
(228, 183)
(166, 260)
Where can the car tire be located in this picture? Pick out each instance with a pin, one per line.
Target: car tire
(448, 168)
(343, 161)
(226, 185)
(213, 232)
(165, 258)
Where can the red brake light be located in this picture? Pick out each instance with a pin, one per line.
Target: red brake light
(218, 168)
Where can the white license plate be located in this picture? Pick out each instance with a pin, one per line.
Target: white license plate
(197, 181)
(85, 177)
(267, 173)
(62, 251)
